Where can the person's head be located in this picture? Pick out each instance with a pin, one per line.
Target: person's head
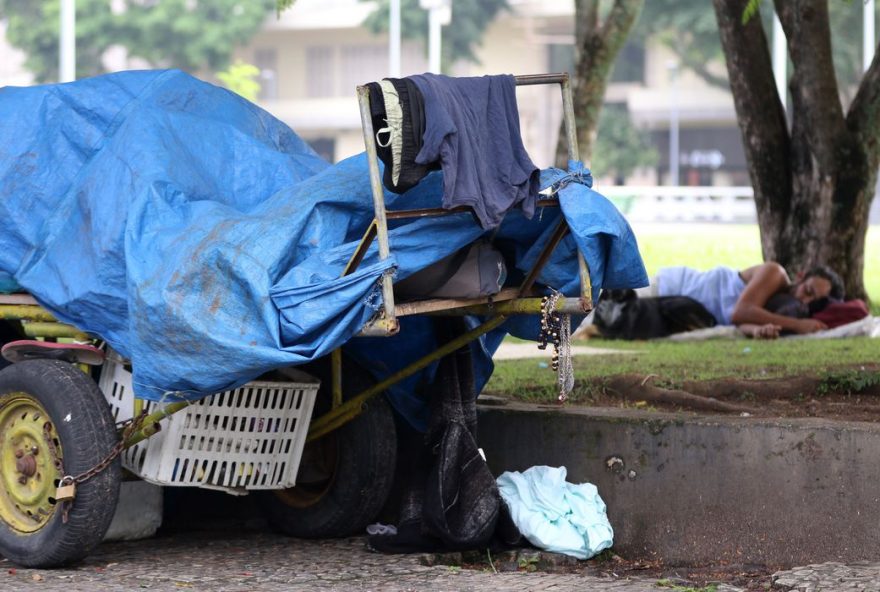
(819, 282)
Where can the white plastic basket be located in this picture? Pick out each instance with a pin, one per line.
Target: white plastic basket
(248, 438)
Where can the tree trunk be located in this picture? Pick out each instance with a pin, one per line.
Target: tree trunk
(596, 47)
(813, 184)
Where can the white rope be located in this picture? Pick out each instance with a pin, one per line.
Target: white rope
(565, 374)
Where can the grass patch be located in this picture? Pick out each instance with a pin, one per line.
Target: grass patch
(847, 381)
(837, 361)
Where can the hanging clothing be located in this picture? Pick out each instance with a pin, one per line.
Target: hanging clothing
(398, 117)
(450, 498)
(394, 129)
(472, 128)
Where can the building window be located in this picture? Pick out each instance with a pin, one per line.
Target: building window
(362, 64)
(320, 70)
(266, 59)
(629, 67)
(337, 73)
(413, 59)
(630, 64)
(561, 58)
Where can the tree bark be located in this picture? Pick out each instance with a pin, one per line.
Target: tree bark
(761, 118)
(597, 44)
(863, 123)
(813, 184)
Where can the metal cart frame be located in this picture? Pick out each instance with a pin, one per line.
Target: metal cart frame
(37, 322)
(35, 429)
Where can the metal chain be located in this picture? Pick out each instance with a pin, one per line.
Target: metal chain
(128, 428)
(563, 351)
(556, 329)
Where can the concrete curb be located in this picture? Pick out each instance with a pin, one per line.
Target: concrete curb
(693, 490)
(138, 514)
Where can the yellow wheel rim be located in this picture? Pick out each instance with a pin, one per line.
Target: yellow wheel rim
(28, 477)
(317, 473)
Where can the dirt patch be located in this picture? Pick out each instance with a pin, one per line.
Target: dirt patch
(747, 577)
(847, 394)
(613, 567)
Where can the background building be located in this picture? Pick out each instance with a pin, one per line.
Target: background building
(314, 56)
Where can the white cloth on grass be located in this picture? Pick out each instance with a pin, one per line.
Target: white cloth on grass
(866, 327)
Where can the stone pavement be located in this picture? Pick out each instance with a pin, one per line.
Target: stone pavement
(261, 562)
(215, 561)
(830, 576)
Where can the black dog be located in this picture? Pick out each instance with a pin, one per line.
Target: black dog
(621, 314)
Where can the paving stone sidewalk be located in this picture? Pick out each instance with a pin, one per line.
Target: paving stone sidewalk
(830, 577)
(262, 562)
(212, 561)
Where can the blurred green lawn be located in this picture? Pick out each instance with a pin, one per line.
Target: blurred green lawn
(704, 246)
(835, 361)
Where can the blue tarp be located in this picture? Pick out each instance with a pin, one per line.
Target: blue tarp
(204, 240)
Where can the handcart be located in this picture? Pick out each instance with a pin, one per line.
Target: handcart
(315, 442)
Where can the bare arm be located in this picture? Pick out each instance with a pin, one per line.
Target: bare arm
(769, 331)
(762, 281)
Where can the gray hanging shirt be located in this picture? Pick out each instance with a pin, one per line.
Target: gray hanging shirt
(472, 128)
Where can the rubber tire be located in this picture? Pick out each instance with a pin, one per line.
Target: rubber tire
(87, 433)
(366, 459)
(9, 331)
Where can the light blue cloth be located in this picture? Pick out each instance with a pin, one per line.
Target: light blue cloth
(556, 515)
(717, 289)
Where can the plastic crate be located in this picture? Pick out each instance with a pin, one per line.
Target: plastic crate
(251, 437)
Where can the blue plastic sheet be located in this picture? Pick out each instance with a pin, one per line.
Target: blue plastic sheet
(204, 240)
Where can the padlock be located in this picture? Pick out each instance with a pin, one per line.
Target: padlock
(65, 493)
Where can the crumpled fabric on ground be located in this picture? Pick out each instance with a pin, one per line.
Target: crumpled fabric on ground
(555, 515)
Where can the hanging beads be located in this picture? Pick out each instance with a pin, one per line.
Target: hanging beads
(556, 330)
(551, 325)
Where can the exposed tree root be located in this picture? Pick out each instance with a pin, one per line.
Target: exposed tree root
(634, 387)
(771, 388)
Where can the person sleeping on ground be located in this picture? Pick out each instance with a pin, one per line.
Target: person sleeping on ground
(740, 297)
(761, 301)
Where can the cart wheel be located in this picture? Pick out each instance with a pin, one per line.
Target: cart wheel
(345, 477)
(9, 331)
(46, 405)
